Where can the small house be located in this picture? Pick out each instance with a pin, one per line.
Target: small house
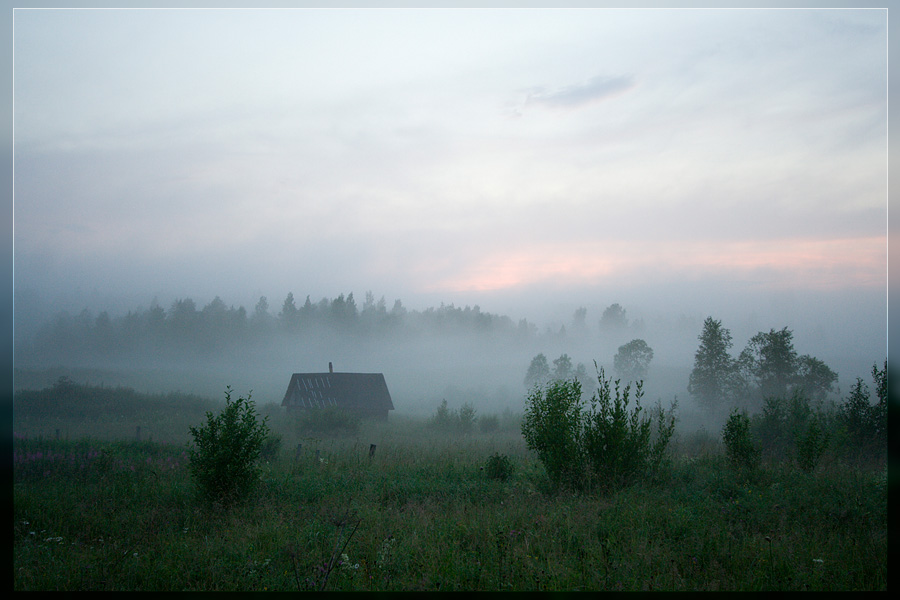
(361, 394)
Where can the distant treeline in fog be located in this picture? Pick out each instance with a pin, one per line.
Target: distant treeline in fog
(449, 343)
(216, 326)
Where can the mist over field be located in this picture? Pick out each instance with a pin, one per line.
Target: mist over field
(461, 354)
(498, 172)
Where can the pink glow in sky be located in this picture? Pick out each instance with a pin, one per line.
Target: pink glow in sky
(807, 263)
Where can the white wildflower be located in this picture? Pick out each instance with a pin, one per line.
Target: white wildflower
(345, 563)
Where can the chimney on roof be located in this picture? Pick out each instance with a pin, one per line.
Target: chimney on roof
(330, 368)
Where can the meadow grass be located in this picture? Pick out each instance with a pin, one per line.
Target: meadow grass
(423, 514)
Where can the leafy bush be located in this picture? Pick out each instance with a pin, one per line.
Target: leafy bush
(225, 451)
(742, 452)
(620, 445)
(811, 445)
(790, 428)
(769, 426)
(607, 446)
(553, 426)
(328, 421)
(499, 467)
(864, 422)
(270, 446)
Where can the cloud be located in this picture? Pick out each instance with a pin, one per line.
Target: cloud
(598, 88)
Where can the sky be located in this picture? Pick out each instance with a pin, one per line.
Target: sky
(519, 159)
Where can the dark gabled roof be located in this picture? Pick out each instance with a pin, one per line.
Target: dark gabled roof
(362, 392)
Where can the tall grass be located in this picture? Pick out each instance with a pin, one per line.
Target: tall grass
(91, 514)
(419, 511)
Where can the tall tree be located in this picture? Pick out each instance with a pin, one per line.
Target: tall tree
(183, 316)
(261, 311)
(538, 371)
(579, 321)
(713, 381)
(213, 322)
(289, 315)
(156, 316)
(814, 377)
(562, 367)
(526, 330)
(771, 360)
(881, 389)
(588, 384)
(613, 319)
(214, 313)
(343, 310)
(880, 410)
(632, 361)
(261, 319)
(307, 311)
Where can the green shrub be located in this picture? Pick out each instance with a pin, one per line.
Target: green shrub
(740, 447)
(224, 454)
(270, 446)
(866, 423)
(328, 421)
(811, 445)
(790, 428)
(499, 467)
(770, 427)
(620, 445)
(553, 426)
(607, 446)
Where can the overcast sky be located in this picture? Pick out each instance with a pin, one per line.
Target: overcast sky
(469, 156)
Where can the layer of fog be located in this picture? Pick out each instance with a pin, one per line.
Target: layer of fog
(487, 371)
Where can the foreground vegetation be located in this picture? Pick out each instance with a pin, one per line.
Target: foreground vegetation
(433, 509)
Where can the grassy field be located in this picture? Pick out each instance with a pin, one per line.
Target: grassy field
(94, 511)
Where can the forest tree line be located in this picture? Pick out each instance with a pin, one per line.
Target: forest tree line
(216, 326)
(768, 366)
